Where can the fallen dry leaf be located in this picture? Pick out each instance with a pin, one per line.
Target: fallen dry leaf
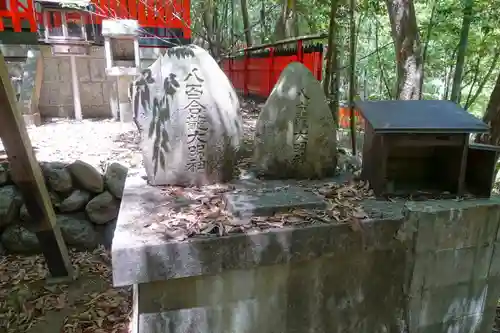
(25, 298)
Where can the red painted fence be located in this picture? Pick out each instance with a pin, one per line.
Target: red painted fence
(18, 11)
(345, 117)
(256, 73)
(149, 13)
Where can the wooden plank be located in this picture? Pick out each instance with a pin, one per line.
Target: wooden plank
(27, 175)
(463, 166)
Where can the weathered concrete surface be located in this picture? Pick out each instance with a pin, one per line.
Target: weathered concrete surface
(454, 283)
(268, 201)
(416, 267)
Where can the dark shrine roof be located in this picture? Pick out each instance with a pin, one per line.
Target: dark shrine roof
(419, 116)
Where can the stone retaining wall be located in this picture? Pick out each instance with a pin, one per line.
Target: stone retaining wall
(86, 203)
(413, 267)
(52, 95)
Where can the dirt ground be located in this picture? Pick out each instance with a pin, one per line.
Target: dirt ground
(89, 304)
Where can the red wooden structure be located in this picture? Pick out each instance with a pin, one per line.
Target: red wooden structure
(257, 70)
(18, 11)
(253, 73)
(172, 14)
(345, 117)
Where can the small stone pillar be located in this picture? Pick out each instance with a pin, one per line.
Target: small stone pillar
(120, 30)
(30, 87)
(125, 104)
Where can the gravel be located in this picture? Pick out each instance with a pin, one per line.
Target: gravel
(97, 142)
(100, 142)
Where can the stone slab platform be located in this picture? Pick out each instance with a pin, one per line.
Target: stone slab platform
(141, 254)
(270, 200)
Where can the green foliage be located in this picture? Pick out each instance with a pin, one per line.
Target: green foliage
(181, 51)
(439, 23)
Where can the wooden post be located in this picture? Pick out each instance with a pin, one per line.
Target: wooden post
(27, 175)
(300, 51)
(271, 72)
(246, 74)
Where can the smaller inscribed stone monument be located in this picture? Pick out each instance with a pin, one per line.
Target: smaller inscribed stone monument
(188, 114)
(295, 133)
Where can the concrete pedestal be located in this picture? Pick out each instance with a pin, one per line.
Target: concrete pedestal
(415, 267)
(126, 112)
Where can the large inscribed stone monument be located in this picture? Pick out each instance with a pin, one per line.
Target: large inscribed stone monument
(187, 112)
(295, 133)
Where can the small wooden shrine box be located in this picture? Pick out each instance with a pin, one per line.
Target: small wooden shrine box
(413, 147)
(481, 164)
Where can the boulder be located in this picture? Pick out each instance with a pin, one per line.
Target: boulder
(56, 175)
(88, 177)
(17, 239)
(10, 203)
(187, 113)
(114, 178)
(106, 233)
(295, 132)
(55, 199)
(102, 208)
(24, 215)
(75, 201)
(77, 231)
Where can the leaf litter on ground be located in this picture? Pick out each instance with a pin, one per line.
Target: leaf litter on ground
(204, 214)
(26, 299)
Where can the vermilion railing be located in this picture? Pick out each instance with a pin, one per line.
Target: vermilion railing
(345, 116)
(149, 13)
(17, 12)
(256, 73)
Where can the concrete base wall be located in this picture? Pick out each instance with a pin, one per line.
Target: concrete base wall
(348, 290)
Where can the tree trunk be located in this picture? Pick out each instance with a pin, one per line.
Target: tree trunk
(462, 48)
(208, 22)
(225, 34)
(381, 68)
(331, 64)
(217, 30)
(246, 23)
(408, 51)
(352, 72)
(472, 98)
(428, 33)
(492, 117)
(264, 31)
(287, 23)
